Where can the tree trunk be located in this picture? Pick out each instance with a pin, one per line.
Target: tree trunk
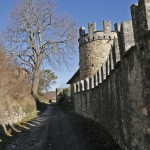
(35, 82)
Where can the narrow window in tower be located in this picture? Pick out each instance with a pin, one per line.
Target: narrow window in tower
(104, 37)
(93, 38)
(92, 65)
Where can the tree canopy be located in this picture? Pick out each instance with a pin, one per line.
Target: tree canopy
(37, 33)
(47, 80)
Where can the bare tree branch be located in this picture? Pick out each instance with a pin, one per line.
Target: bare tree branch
(37, 33)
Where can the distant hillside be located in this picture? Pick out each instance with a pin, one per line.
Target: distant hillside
(51, 95)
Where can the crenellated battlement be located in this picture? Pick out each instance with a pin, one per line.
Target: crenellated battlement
(114, 84)
(91, 27)
(97, 35)
(120, 47)
(92, 35)
(95, 46)
(104, 71)
(107, 26)
(141, 20)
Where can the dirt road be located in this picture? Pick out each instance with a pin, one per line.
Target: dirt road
(50, 131)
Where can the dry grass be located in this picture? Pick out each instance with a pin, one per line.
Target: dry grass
(15, 91)
(42, 97)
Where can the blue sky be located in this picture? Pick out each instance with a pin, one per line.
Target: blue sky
(84, 12)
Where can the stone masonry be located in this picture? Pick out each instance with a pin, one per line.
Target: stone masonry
(94, 48)
(114, 86)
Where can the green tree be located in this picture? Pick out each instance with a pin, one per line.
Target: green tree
(47, 80)
(65, 93)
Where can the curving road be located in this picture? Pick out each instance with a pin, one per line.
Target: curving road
(50, 131)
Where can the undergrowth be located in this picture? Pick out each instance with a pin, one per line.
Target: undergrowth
(15, 96)
(42, 97)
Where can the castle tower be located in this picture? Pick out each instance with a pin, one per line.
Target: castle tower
(94, 48)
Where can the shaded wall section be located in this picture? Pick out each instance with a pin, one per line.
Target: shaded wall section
(118, 94)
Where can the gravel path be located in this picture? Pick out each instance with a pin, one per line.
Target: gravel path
(50, 131)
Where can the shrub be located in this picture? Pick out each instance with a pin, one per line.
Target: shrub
(16, 101)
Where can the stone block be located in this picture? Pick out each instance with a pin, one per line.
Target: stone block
(141, 21)
(111, 60)
(117, 51)
(74, 87)
(91, 27)
(87, 83)
(82, 31)
(117, 27)
(107, 67)
(107, 26)
(127, 35)
(82, 85)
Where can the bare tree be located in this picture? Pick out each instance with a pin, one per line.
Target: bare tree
(37, 33)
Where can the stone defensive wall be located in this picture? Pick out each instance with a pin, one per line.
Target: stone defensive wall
(118, 94)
